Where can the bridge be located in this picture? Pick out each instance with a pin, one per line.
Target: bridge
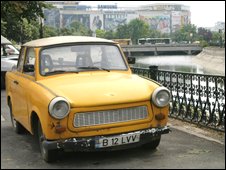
(157, 49)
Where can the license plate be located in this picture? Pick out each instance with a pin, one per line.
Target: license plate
(117, 140)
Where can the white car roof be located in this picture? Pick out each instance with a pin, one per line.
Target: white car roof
(63, 40)
(5, 40)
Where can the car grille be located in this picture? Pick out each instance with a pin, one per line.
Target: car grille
(110, 116)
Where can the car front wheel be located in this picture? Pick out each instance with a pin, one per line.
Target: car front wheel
(47, 155)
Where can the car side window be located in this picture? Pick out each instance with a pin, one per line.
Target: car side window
(29, 61)
(21, 60)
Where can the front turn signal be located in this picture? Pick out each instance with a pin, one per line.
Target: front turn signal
(160, 116)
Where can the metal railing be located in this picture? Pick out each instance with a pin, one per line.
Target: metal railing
(196, 98)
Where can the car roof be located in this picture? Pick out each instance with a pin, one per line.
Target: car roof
(5, 40)
(63, 40)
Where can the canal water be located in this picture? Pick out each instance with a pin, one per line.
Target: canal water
(181, 63)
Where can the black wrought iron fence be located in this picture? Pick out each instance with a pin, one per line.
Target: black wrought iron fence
(196, 98)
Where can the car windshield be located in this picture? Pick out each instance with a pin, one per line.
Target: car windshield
(77, 58)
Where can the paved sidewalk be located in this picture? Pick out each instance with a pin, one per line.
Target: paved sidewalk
(202, 132)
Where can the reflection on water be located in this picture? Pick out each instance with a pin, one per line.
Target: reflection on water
(172, 63)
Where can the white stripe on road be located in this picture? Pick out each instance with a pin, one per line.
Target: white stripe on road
(2, 118)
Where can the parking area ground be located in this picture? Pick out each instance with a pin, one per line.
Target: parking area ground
(185, 147)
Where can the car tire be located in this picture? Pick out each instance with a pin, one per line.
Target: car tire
(17, 127)
(153, 144)
(47, 155)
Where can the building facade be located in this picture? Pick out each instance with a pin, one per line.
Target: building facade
(166, 18)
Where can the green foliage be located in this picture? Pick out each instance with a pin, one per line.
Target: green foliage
(122, 31)
(215, 36)
(217, 39)
(156, 34)
(203, 43)
(50, 31)
(178, 36)
(138, 28)
(18, 10)
(187, 33)
(65, 31)
(77, 28)
(17, 18)
(3, 27)
(109, 34)
(204, 34)
(30, 30)
(105, 34)
(100, 33)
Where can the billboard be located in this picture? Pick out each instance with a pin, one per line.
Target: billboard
(176, 20)
(158, 22)
(113, 20)
(68, 19)
(96, 21)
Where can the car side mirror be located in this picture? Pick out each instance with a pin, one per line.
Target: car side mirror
(131, 60)
(29, 68)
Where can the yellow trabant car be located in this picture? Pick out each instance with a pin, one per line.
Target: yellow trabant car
(77, 93)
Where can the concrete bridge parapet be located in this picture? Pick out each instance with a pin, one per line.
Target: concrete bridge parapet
(158, 48)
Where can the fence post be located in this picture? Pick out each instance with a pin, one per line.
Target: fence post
(153, 72)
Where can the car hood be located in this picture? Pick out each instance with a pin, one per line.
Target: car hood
(97, 89)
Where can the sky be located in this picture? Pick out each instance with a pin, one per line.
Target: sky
(203, 13)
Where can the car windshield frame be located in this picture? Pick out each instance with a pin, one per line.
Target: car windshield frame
(82, 49)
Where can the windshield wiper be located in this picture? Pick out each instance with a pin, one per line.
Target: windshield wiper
(94, 67)
(60, 72)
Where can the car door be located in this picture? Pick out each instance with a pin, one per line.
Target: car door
(15, 88)
(22, 82)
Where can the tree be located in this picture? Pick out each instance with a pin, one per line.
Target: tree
(122, 31)
(178, 36)
(3, 27)
(65, 31)
(155, 34)
(186, 33)
(205, 34)
(50, 31)
(109, 34)
(78, 28)
(22, 9)
(138, 28)
(100, 33)
(13, 14)
(30, 31)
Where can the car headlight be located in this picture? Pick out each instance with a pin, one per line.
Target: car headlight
(59, 108)
(161, 97)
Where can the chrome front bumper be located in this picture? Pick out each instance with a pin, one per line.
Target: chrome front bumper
(89, 143)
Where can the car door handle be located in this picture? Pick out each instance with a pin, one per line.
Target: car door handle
(16, 82)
